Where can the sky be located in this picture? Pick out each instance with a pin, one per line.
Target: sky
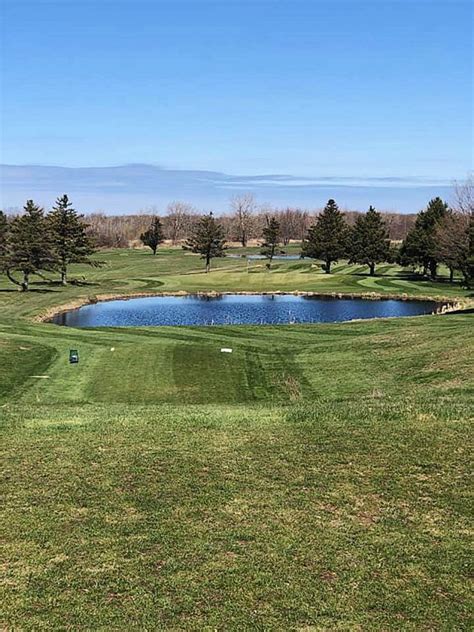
(358, 89)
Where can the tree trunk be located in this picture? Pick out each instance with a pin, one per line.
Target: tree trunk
(25, 282)
(270, 258)
(327, 267)
(372, 269)
(208, 263)
(433, 269)
(451, 275)
(63, 277)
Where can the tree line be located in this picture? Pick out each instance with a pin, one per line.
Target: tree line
(35, 242)
(440, 235)
(242, 223)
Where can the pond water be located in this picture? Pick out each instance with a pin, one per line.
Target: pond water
(235, 309)
(263, 257)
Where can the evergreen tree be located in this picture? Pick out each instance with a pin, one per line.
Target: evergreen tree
(271, 239)
(327, 238)
(393, 253)
(154, 236)
(369, 242)
(419, 247)
(3, 240)
(207, 239)
(30, 247)
(409, 253)
(70, 241)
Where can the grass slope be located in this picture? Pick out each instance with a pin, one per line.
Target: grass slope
(317, 478)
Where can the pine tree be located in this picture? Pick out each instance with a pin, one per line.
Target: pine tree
(207, 239)
(3, 240)
(419, 247)
(369, 242)
(415, 243)
(70, 241)
(154, 236)
(327, 238)
(271, 239)
(30, 247)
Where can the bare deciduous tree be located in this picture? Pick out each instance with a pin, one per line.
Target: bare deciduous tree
(243, 208)
(451, 239)
(464, 193)
(293, 224)
(178, 220)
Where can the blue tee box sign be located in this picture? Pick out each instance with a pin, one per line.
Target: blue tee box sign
(73, 356)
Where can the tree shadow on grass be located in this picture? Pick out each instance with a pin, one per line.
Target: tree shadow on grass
(53, 286)
(367, 275)
(419, 278)
(31, 290)
(41, 290)
(407, 276)
(470, 310)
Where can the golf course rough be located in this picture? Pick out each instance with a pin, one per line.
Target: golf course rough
(317, 477)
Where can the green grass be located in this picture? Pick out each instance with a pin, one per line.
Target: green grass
(317, 478)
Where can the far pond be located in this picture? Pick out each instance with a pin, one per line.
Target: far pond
(236, 309)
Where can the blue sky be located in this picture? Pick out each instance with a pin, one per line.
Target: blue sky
(353, 89)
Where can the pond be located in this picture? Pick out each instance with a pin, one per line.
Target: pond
(263, 257)
(236, 309)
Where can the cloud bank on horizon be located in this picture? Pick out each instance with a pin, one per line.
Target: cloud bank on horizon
(130, 188)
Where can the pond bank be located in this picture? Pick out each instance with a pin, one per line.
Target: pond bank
(239, 308)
